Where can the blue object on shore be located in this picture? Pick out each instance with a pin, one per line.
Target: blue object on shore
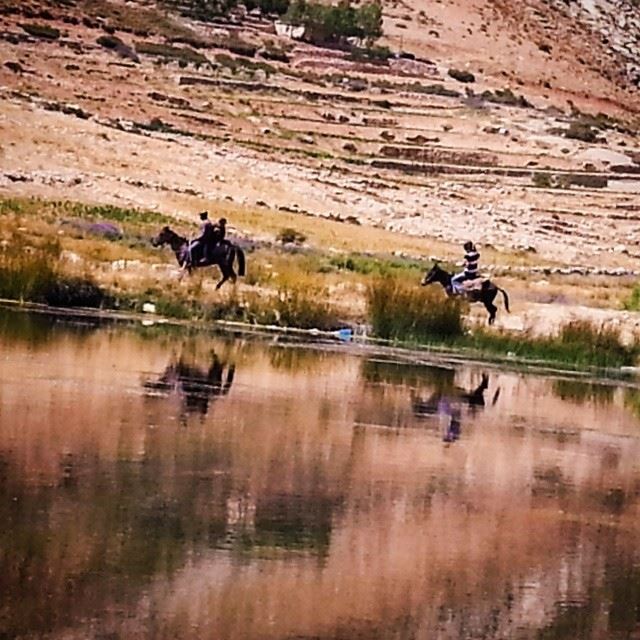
(344, 334)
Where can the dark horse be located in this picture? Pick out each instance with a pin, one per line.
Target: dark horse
(194, 384)
(222, 254)
(486, 293)
(450, 402)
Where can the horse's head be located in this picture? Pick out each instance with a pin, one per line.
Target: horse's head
(435, 274)
(163, 237)
(170, 237)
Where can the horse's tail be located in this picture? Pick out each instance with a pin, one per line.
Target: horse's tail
(506, 299)
(241, 262)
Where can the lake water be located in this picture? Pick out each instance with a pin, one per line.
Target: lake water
(165, 484)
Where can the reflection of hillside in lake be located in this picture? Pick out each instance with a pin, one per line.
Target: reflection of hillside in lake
(313, 497)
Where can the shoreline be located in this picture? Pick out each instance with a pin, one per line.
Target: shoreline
(409, 353)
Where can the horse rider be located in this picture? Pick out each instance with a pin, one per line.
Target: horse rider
(470, 267)
(203, 240)
(220, 231)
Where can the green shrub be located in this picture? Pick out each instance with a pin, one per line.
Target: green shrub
(506, 97)
(34, 274)
(581, 131)
(183, 55)
(461, 75)
(205, 10)
(401, 310)
(110, 42)
(74, 291)
(601, 342)
(241, 47)
(240, 64)
(268, 6)
(304, 307)
(271, 52)
(434, 90)
(632, 303)
(41, 31)
(289, 235)
(326, 23)
(542, 180)
(378, 55)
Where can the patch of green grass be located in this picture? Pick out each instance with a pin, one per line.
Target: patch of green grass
(56, 209)
(578, 344)
(632, 303)
(377, 265)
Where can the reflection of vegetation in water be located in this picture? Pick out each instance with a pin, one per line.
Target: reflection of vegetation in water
(632, 401)
(38, 329)
(107, 529)
(615, 606)
(291, 523)
(75, 547)
(400, 373)
(293, 359)
(581, 392)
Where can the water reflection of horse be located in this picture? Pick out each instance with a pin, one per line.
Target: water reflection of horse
(449, 402)
(195, 385)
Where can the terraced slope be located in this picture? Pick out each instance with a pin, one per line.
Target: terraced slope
(538, 153)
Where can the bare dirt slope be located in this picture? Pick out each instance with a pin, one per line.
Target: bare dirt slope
(538, 153)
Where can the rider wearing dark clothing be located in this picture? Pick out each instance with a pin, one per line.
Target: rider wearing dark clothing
(203, 240)
(471, 258)
(219, 231)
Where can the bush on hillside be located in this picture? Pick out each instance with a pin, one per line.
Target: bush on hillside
(334, 24)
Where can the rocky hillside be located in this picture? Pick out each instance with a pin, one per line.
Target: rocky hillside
(515, 125)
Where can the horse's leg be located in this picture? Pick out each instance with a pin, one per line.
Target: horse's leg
(225, 275)
(487, 300)
(231, 255)
(491, 308)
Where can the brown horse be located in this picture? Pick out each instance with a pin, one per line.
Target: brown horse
(485, 294)
(222, 255)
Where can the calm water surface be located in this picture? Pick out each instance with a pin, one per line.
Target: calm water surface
(167, 485)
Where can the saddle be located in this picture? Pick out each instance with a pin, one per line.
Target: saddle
(469, 286)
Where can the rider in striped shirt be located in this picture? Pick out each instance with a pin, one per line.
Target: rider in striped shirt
(471, 258)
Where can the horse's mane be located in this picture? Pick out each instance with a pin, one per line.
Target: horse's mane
(168, 229)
